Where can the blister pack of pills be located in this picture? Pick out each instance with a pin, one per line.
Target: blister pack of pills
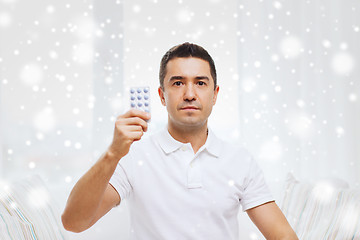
(140, 98)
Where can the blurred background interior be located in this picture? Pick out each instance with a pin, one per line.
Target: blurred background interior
(288, 73)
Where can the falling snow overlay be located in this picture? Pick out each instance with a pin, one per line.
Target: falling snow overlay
(288, 71)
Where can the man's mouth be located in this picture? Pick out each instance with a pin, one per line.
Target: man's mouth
(189, 108)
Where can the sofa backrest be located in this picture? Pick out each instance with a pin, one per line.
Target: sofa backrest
(322, 210)
(27, 211)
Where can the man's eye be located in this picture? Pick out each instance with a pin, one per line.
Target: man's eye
(201, 83)
(177, 83)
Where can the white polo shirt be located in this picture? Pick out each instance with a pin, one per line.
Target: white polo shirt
(175, 194)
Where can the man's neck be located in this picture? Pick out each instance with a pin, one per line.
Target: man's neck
(195, 136)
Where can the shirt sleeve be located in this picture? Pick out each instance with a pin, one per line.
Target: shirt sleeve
(121, 179)
(255, 192)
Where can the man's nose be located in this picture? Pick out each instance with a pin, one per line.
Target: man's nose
(190, 92)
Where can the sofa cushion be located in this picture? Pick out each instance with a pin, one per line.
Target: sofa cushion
(27, 211)
(326, 209)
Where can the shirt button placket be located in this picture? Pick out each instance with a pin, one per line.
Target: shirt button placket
(194, 174)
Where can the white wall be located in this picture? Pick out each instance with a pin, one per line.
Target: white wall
(299, 67)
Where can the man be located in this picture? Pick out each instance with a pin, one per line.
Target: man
(181, 183)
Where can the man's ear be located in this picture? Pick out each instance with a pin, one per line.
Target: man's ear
(216, 91)
(161, 95)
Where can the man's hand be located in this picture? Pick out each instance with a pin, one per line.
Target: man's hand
(129, 127)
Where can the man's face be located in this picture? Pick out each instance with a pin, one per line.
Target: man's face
(188, 92)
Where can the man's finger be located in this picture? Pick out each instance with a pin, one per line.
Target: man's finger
(136, 121)
(136, 135)
(135, 128)
(137, 113)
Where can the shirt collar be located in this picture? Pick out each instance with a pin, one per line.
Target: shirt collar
(212, 145)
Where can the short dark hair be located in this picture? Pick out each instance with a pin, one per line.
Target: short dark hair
(183, 51)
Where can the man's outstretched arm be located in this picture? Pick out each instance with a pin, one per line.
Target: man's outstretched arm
(93, 196)
(271, 222)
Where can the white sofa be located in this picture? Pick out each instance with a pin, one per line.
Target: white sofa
(28, 211)
(327, 209)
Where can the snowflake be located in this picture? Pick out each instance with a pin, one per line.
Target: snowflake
(5, 19)
(45, 120)
(184, 16)
(277, 5)
(291, 47)
(342, 63)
